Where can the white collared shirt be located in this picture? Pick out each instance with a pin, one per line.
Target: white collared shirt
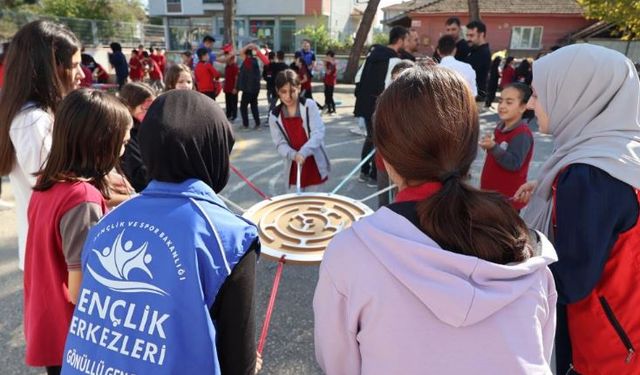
(465, 70)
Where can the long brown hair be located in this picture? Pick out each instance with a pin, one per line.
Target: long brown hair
(37, 68)
(88, 133)
(173, 75)
(135, 93)
(426, 128)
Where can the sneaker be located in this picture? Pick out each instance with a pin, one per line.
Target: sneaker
(363, 178)
(372, 182)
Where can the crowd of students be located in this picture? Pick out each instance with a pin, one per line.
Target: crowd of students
(446, 278)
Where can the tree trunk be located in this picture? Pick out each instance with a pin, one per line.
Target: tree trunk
(229, 24)
(474, 10)
(360, 39)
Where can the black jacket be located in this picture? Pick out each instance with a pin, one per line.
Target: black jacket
(131, 161)
(480, 60)
(371, 82)
(249, 78)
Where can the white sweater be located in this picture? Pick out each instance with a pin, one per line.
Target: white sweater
(30, 134)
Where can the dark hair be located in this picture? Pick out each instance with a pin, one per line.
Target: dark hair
(478, 25)
(495, 64)
(187, 53)
(287, 77)
(331, 53)
(306, 40)
(115, 47)
(271, 55)
(523, 89)
(145, 54)
(297, 54)
(173, 75)
(208, 38)
(248, 52)
(201, 52)
(32, 73)
(524, 68)
(508, 61)
(452, 20)
(280, 55)
(446, 45)
(427, 129)
(401, 66)
(397, 33)
(135, 93)
(87, 139)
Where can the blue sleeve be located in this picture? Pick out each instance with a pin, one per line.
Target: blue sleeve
(592, 210)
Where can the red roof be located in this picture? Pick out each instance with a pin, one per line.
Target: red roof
(500, 6)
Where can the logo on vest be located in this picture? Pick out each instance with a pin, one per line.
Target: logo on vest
(119, 260)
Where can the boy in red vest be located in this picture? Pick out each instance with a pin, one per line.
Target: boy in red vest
(206, 75)
(510, 149)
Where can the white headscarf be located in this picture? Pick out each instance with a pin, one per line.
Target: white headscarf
(591, 95)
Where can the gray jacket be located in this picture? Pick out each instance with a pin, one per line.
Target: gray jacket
(315, 145)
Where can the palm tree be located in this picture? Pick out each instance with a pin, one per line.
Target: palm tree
(361, 37)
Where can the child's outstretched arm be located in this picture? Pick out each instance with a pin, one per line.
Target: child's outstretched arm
(514, 156)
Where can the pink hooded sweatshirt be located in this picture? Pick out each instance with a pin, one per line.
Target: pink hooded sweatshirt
(390, 301)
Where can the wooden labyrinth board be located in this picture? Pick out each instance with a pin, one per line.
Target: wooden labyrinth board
(300, 226)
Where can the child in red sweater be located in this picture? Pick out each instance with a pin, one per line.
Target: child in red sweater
(231, 72)
(510, 149)
(89, 133)
(207, 77)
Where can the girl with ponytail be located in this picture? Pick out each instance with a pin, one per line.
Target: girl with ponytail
(448, 278)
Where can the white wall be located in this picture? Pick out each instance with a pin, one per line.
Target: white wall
(269, 7)
(339, 16)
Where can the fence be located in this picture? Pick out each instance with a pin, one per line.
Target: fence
(90, 32)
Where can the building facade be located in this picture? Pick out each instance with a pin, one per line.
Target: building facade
(522, 27)
(272, 22)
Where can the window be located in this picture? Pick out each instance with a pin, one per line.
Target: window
(288, 35)
(526, 37)
(174, 6)
(212, 1)
(263, 31)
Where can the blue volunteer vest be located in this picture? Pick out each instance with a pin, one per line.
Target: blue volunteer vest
(151, 271)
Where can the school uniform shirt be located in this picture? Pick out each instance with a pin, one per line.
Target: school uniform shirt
(30, 135)
(314, 130)
(59, 219)
(331, 75)
(304, 73)
(309, 175)
(390, 300)
(508, 76)
(230, 77)
(154, 270)
(136, 72)
(507, 164)
(161, 60)
(155, 73)
(205, 75)
(465, 70)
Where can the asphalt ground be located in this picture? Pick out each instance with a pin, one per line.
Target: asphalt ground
(289, 348)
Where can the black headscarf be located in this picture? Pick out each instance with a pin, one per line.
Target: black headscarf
(186, 135)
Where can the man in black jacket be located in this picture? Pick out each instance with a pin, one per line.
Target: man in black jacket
(452, 27)
(480, 56)
(369, 86)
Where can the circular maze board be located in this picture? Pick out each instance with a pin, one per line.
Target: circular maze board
(300, 226)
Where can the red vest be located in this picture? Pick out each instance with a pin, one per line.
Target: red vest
(605, 326)
(496, 178)
(47, 306)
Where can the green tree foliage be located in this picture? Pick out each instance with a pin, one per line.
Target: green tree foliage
(623, 13)
(112, 10)
(318, 35)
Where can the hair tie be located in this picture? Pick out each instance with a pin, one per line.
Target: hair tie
(450, 176)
